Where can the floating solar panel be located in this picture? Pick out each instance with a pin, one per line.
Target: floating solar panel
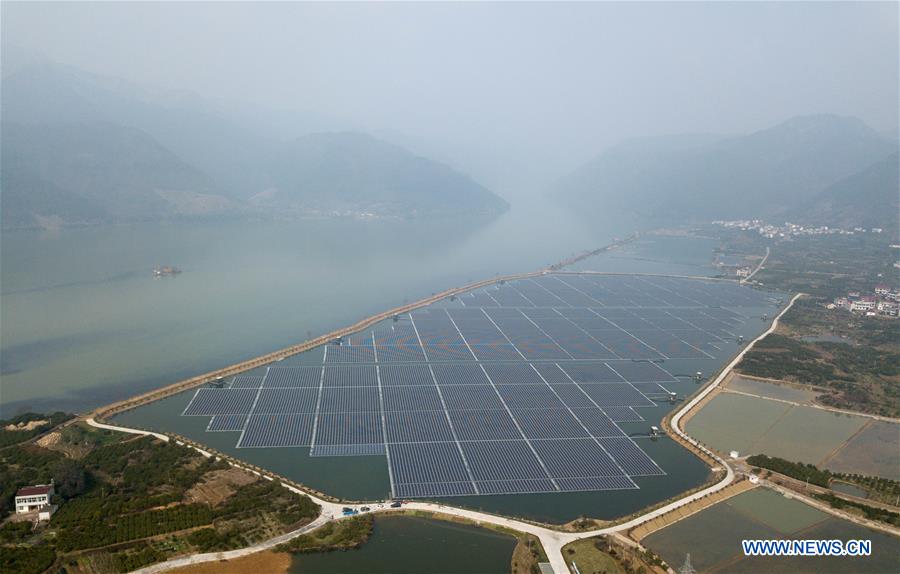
(347, 450)
(405, 375)
(513, 374)
(349, 429)
(417, 426)
(355, 376)
(448, 353)
(293, 377)
(573, 396)
(502, 460)
(623, 414)
(597, 422)
(277, 431)
(349, 400)
(548, 423)
(591, 373)
(247, 382)
(221, 423)
(476, 425)
(286, 401)
(630, 457)
(575, 458)
(433, 489)
(471, 397)
(411, 398)
(459, 375)
(510, 389)
(595, 483)
(641, 371)
(502, 352)
(220, 402)
(428, 463)
(350, 354)
(615, 395)
(529, 397)
(400, 354)
(401, 334)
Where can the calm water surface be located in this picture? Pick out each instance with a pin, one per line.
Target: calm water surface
(407, 545)
(84, 322)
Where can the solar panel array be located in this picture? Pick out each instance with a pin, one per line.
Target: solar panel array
(516, 388)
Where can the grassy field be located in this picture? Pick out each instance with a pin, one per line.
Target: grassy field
(589, 559)
(713, 538)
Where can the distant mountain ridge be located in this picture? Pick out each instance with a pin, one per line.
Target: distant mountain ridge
(869, 198)
(761, 174)
(339, 171)
(84, 149)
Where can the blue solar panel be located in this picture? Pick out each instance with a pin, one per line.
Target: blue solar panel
(350, 376)
(349, 429)
(590, 372)
(513, 374)
(417, 426)
(484, 425)
(643, 371)
(573, 396)
(630, 457)
(471, 397)
(597, 423)
(616, 395)
(433, 489)
(515, 486)
(496, 352)
(405, 375)
(350, 354)
(529, 397)
(349, 400)
(293, 377)
(286, 401)
(592, 483)
(502, 460)
(459, 375)
(448, 353)
(220, 423)
(277, 431)
(623, 414)
(549, 423)
(576, 458)
(411, 398)
(221, 402)
(422, 463)
(347, 450)
(400, 354)
(247, 382)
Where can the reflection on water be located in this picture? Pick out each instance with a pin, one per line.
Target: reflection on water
(85, 323)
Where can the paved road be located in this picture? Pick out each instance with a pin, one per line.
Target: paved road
(552, 540)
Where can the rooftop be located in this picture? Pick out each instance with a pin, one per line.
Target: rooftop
(34, 490)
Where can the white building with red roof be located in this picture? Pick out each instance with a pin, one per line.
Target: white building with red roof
(32, 498)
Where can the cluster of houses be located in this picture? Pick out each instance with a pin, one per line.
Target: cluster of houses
(884, 302)
(790, 229)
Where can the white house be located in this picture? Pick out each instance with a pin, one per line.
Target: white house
(33, 498)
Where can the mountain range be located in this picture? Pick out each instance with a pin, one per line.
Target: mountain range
(771, 173)
(84, 149)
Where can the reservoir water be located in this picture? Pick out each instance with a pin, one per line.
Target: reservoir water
(409, 545)
(85, 323)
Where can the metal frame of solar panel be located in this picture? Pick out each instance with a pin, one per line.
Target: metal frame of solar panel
(445, 393)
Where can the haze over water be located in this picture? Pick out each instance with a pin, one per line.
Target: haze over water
(85, 323)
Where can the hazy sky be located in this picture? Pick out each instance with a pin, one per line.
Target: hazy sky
(545, 85)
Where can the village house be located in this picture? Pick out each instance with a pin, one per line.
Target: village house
(33, 498)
